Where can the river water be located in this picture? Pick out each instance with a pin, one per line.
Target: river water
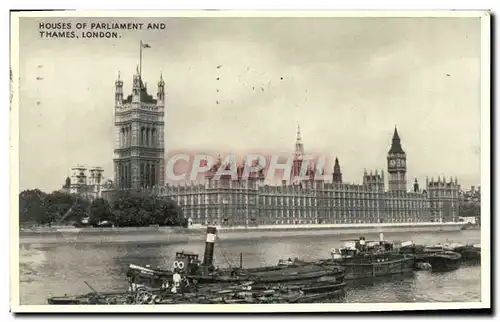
(55, 269)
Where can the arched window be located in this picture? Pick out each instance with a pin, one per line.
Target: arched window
(122, 137)
(153, 137)
(148, 173)
(153, 175)
(141, 138)
(142, 174)
(129, 135)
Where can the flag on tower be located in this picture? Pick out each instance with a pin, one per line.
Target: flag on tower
(143, 45)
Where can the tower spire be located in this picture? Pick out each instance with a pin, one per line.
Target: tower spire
(396, 142)
(299, 146)
(161, 90)
(337, 174)
(396, 164)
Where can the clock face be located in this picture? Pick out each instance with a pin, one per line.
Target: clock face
(398, 162)
(403, 163)
(392, 162)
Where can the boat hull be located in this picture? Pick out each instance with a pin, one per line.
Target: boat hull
(279, 274)
(362, 269)
(469, 253)
(442, 262)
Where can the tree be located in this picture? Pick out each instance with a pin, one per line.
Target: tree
(31, 207)
(173, 214)
(37, 206)
(469, 209)
(143, 210)
(64, 207)
(100, 210)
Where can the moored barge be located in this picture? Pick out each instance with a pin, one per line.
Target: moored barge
(437, 256)
(370, 259)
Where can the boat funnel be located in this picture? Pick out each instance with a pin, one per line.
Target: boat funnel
(208, 257)
(381, 236)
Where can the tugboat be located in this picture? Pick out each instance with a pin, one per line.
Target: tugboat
(196, 272)
(371, 259)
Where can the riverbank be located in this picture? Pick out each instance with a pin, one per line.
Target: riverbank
(170, 235)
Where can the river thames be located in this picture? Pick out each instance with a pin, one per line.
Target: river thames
(55, 269)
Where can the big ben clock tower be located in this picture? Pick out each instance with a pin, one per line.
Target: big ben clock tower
(396, 164)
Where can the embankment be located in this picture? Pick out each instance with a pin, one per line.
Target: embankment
(171, 235)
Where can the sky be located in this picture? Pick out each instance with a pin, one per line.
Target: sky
(346, 81)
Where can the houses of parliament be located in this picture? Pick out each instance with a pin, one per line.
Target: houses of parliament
(139, 159)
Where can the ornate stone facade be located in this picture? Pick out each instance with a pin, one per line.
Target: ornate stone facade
(139, 124)
(228, 202)
(251, 203)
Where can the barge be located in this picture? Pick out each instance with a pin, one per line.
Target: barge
(439, 258)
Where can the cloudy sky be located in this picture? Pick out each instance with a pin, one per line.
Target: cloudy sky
(347, 81)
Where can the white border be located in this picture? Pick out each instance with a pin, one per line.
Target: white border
(485, 240)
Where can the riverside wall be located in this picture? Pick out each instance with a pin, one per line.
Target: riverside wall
(172, 235)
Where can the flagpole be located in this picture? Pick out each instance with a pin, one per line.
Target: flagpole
(140, 60)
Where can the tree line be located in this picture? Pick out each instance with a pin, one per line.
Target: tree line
(469, 209)
(126, 210)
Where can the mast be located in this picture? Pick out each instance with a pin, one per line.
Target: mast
(142, 45)
(140, 61)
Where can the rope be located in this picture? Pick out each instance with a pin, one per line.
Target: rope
(223, 252)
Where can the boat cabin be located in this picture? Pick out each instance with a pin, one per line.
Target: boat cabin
(186, 262)
(356, 247)
(190, 256)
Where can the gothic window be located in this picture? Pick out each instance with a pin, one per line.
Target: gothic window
(122, 137)
(153, 175)
(153, 137)
(142, 172)
(141, 138)
(130, 136)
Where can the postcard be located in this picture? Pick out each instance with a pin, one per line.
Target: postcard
(229, 161)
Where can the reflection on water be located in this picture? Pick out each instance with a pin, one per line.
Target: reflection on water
(49, 270)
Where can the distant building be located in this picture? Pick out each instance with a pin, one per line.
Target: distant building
(66, 187)
(86, 182)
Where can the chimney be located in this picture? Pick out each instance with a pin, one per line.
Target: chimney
(208, 257)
